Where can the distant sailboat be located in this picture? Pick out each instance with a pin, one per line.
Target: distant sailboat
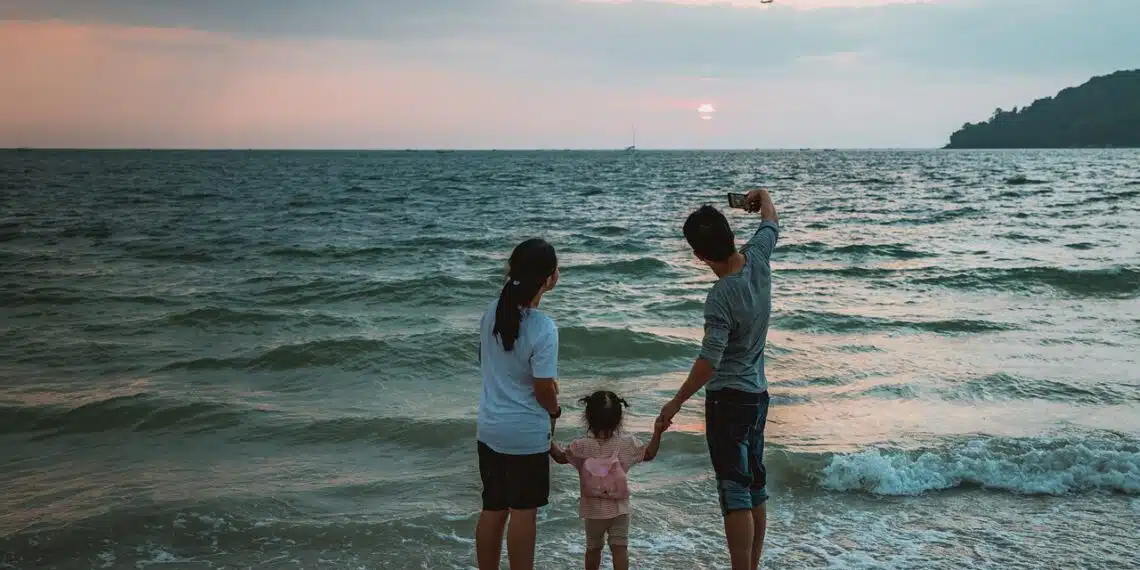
(633, 146)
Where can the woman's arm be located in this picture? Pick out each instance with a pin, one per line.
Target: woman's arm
(546, 392)
(544, 367)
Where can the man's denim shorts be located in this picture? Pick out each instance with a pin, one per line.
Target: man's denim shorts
(734, 429)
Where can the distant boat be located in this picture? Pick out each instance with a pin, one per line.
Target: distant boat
(633, 146)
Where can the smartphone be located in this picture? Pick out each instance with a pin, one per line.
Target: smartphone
(736, 200)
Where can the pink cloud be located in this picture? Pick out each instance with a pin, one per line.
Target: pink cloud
(793, 4)
(95, 85)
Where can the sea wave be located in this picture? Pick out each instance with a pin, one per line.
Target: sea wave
(209, 316)
(1047, 466)
(580, 342)
(21, 295)
(136, 412)
(439, 350)
(887, 250)
(939, 217)
(222, 317)
(96, 230)
(331, 253)
(608, 230)
(1028, 466)
(640, 267)
(1081, 246)
(436, 351)
(159, 251)
(417, 291)
(687, 306)
(1118, 282)
(827, 322)
(1021, 179)
(148, 412)
(1008, 387)
(852, 272)
(1112, 197)
(1024, 193)
(413, 433)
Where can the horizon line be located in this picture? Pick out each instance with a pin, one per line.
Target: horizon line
(446, 149)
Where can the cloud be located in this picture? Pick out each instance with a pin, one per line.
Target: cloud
(297, 19)
(770, 5)
(97, 86)
(657, 37)
(537, 73)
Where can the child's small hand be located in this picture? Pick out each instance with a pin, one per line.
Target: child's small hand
(659, 425)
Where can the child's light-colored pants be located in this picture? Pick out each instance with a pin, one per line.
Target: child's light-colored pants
(616, 529)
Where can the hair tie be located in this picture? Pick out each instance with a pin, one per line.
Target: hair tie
(515, 282)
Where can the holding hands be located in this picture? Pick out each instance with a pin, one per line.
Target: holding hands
(665, 418)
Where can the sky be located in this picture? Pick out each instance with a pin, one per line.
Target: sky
(365, 74)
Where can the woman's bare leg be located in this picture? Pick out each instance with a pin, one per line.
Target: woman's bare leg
(521, 535)
(489, 539)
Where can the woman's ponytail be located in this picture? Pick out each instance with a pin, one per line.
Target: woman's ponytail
(532, 263)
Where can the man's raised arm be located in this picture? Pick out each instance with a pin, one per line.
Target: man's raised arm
(764, 240)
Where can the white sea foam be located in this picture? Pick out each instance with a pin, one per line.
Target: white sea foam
(107, 558)
(159, 556)
(1040, 467)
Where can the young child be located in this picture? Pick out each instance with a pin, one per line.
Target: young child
(602, 461)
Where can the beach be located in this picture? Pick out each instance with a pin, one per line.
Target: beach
(235, 359)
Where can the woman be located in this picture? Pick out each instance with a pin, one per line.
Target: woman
(518, 355)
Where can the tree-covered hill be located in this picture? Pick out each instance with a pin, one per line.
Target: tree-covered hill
(1104, 112)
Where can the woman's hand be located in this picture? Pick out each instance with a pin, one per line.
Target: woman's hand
(558, 455)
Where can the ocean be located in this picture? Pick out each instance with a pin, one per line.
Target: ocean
(267, 359)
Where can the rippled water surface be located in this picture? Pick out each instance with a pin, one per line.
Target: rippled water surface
(231, 359)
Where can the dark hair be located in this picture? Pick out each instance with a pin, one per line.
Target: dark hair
(531, 263)
(709, 234)
(603, 413)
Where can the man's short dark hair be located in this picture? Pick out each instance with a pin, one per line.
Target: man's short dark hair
(709, 234)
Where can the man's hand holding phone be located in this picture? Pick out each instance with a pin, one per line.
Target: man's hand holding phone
(750, 202)
(755, 199)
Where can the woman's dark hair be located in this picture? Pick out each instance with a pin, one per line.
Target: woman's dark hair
(603, 413)
(531, 263)
(709, 234)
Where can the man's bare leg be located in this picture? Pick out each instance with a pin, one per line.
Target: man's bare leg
(520, 538)
(489, 539)
(759, 526)
(739, 532)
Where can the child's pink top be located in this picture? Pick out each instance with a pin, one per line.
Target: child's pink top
(630, 452)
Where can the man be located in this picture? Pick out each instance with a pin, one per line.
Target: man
(731, 364)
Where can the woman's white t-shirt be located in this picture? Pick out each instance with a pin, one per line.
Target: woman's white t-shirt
(511, 420)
